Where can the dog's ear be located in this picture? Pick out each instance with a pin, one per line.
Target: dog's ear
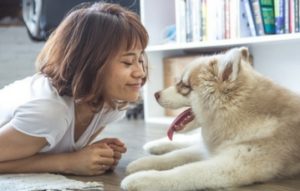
(230, 63)
(246, 56)
(244, 53)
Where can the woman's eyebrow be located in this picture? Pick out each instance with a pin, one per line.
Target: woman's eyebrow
(132, 53)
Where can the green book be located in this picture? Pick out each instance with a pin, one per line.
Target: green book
(268, 15)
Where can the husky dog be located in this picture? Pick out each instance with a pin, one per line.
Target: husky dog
(250, 129)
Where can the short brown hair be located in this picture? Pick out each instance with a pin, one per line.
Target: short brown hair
(91, 35)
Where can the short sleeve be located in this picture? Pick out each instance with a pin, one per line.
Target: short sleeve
(42, 118)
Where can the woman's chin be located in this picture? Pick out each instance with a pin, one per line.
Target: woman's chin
(133, 98)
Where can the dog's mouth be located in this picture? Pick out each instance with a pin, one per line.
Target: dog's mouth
(180, 121)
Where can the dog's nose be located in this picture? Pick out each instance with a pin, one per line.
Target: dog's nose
(157, 95)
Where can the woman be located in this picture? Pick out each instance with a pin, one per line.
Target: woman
(89, 69)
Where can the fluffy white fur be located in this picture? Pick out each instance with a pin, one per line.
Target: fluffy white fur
(250, 130)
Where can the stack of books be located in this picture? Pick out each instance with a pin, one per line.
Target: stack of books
(208, 20)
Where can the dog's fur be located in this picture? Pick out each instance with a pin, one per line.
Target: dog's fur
(250, 130)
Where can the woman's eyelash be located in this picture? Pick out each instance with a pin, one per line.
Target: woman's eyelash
(132, 62)
(127, 63)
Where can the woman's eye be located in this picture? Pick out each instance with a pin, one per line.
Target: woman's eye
(127, 63)
(141, 61)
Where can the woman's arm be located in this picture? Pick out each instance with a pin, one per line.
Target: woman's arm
(15, 145)
(36, 163)
(90, 160)
(19, 153)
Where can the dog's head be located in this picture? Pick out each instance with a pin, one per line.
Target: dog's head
(205, 83)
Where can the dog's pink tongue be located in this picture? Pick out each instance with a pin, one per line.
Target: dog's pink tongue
(180, 121)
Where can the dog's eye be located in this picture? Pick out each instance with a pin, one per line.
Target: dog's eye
(183, 88)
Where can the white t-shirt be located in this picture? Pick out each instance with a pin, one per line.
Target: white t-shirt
(34, 107)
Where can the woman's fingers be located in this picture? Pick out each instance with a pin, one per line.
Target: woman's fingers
(106, 160)
(105, 150)
(109, 153)
(117, 155)
(115, 141)
(116, 148)
(101, 169)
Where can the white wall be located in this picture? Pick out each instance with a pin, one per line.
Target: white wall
(280, 62)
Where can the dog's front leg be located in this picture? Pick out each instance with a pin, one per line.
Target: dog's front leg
(180, 141)
(166, 161)
(231, 169)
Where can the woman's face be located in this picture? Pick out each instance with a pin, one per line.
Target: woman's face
(125, 75)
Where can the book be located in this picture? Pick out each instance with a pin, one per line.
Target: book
(180, 21)
(220, 20)
(286, 16)
(250, 17)
(203, 20)
(211, 20)
(227, 19)
(268, 18)
(245, 29)
(196, 20)
(188, 21)
(291, 16)
(256, 11)
(279, 16)
(296, 15)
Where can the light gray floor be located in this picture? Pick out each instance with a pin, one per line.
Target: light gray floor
(17, 54)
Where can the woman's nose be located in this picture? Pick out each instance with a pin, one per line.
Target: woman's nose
(139, 72)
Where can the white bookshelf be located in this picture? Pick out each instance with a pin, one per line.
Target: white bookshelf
(275, 56)
(225, 43)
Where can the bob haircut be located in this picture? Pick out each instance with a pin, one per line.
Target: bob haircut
(76, 54)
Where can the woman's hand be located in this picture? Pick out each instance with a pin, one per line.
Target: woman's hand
(97, 158)
(93, 159)
(117, 146)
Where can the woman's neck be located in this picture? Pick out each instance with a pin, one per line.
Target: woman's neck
(83, 117)
(83, 111)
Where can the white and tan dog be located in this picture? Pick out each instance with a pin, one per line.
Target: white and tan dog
(250, 130)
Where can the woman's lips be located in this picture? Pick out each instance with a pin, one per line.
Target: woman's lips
(135, 86)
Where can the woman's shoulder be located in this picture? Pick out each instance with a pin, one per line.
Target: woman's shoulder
(35, 88)
(45, 110)
(34, 94)
(41, 86)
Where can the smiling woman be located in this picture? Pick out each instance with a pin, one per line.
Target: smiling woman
(90, 68)
(126, 76)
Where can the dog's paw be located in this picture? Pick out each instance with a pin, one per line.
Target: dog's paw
(160, 146)
(146, 163)
(143, 181)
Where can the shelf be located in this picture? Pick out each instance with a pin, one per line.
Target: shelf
(224, 43)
